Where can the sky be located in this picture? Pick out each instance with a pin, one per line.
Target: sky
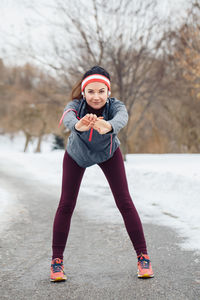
(15, 14)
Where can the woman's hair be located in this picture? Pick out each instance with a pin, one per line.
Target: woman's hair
(76, 90)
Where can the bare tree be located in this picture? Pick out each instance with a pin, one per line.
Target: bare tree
(121, 36)
(31, 102)
(126, 38)
(182, 76)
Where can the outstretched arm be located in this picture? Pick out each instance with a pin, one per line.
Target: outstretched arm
(119, 120)
(120, 116)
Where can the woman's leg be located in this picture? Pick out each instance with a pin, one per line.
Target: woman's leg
(114, 171)
(71, 180)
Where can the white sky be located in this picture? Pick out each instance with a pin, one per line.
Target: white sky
(14, 15)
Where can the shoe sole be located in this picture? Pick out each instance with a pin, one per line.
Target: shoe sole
(145, 276)
(59, 279)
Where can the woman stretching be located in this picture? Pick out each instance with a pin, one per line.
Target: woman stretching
(95, 119)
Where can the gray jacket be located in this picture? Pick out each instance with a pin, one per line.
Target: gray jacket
(89, 147)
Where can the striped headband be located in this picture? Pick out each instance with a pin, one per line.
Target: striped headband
(93, 78)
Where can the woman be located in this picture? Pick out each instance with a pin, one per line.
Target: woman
(94, 119)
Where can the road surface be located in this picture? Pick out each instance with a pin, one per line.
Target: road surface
(102, 267)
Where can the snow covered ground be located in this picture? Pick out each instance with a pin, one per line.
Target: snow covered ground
(165, 188)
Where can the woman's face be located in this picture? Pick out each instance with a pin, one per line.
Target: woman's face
(96, 94)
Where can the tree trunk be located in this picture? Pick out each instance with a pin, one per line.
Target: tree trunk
(28, 138)
(38, 149)
(42, 132)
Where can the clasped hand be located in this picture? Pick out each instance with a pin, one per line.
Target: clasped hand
(92, 121)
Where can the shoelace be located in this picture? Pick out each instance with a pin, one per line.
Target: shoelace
(144, 262)
(57, 267)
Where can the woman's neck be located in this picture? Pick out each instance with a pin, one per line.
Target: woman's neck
(92, 110)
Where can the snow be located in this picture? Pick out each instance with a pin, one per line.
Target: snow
(165, 188)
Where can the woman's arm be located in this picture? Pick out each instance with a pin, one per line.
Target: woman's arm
(120, 116)
(119, 120)
(103, 126)
(70, 119)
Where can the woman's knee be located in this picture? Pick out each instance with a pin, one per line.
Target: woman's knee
(125, 204)
(66, 208)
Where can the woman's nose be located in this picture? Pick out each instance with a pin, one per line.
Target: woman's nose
(96, 95)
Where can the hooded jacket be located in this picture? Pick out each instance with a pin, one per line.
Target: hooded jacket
(89, 147)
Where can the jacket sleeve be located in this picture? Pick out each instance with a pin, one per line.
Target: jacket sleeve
(120, 116)
(70, 115)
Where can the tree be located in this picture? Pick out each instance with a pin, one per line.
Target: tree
(182, 54)
(121, 36)
(31, 102)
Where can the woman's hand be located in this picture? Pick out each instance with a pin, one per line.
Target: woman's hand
(102, 126)
(92, 121)
(86, 122)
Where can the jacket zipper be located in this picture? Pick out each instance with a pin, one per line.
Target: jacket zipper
(91, 132)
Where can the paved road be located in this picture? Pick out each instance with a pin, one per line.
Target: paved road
(99, 259)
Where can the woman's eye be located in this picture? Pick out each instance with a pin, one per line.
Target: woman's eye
(91, 92)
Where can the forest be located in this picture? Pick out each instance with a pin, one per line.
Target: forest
(157, 76)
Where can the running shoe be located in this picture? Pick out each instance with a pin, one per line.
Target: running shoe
(57, 270)
(144, 266)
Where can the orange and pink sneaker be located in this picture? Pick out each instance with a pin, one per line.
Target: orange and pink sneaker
(144, 266)
(57, 270)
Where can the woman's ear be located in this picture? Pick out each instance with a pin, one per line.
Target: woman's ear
(109, 93)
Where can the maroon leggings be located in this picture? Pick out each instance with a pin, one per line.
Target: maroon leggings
(114, 171)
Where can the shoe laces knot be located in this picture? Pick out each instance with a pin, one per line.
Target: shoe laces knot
(57, 266)
(144, 262)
